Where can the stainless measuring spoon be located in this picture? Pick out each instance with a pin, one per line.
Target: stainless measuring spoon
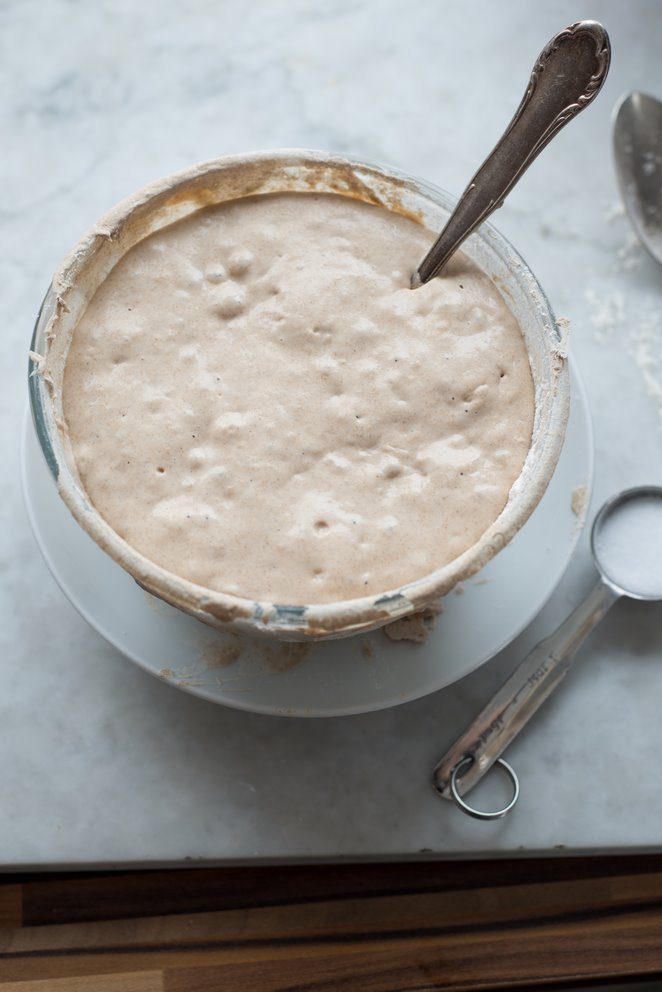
(567, 75)
(626, 542)
(637, 139)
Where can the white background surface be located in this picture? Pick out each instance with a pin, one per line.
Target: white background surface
(101, 762)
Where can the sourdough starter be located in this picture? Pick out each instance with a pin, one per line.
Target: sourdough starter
(258, 402)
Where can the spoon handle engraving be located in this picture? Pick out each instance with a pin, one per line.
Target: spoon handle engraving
(567, 75)
(520, 696)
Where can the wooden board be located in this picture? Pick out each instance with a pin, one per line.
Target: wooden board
(421, 926)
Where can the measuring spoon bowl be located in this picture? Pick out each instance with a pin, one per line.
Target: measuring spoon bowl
(626, 543)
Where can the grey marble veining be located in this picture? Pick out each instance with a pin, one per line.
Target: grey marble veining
(103, 763)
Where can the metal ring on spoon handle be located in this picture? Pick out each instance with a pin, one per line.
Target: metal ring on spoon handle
(568, 74)
(519, 698)
(478, 814)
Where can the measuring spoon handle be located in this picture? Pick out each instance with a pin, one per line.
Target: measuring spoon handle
(519, 698)
(565, 78)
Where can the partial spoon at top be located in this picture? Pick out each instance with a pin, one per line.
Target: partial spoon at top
(567, 75)
(637, 134)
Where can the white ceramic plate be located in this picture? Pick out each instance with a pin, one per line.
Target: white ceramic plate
(353, 675)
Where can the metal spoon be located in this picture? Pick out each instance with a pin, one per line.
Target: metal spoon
(637, 138)
(626, 542)
(567, 75)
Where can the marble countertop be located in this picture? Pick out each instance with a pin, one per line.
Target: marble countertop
(104, 764)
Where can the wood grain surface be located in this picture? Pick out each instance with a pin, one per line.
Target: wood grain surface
(508, 924)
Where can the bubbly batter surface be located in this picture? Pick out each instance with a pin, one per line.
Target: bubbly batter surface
(257, 401)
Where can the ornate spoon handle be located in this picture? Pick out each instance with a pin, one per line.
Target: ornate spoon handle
(566, 77)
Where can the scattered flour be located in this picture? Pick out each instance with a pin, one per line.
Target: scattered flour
(255, 657)
(221, 655)
(578, 500)
(248, 658)
(416, 627)
(563, 325)
(636, 324)
(282, 657)
(644, 342)
(632, 254)
(607, 313)
(614, 211)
